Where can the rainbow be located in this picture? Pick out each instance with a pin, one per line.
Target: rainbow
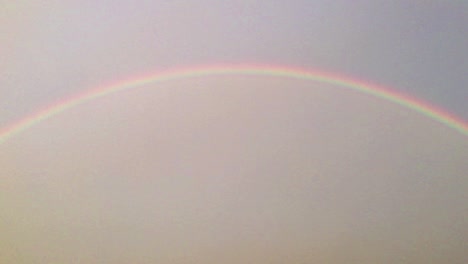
(261, 70)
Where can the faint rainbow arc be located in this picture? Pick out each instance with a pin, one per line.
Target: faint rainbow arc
(260, 70)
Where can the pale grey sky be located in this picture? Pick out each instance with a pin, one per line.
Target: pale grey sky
(233, 169)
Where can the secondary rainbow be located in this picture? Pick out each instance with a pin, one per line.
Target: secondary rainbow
(261, 70)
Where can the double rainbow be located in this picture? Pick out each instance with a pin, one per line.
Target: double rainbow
(260, 70)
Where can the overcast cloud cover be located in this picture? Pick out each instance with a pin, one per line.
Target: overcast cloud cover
(233, 169)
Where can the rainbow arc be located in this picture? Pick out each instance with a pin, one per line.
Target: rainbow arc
(406, 101)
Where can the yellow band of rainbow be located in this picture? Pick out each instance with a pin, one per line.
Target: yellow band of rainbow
(261, 70)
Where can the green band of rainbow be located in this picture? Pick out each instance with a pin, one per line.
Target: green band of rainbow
(261, 70)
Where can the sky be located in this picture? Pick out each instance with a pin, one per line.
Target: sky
(233, 169)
